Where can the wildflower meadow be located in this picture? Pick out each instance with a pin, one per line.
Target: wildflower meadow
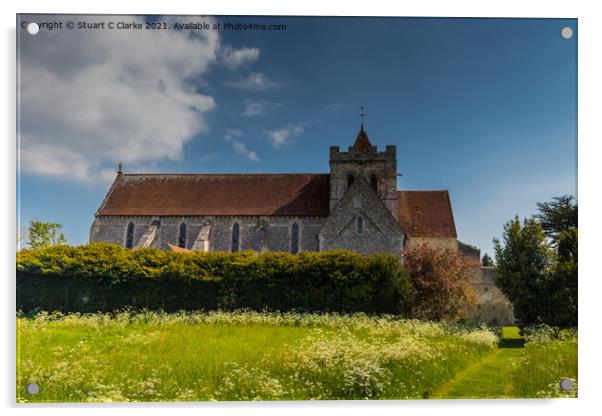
(243, 355)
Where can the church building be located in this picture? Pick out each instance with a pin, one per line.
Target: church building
(356, 206)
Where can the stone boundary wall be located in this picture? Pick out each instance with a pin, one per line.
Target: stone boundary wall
(492, 305)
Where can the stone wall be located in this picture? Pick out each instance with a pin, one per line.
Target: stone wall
(278, 231)
(434, 242)
(380, 230)
(472, 253)
(492, 305)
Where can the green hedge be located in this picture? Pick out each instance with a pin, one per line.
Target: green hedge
(106, 277)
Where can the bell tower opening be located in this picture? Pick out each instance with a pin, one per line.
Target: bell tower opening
(349, 180)
(374, 183)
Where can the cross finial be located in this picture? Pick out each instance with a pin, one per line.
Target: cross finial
(361, 115)
(120, 168)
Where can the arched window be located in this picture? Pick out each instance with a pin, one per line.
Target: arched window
(295, 238)
(235, 237)
(349, 180)
(360, 224)
(182, 235)
(260, 238)
(374, 183)
(129, 236)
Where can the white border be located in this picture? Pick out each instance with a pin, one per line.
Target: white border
(589, 35)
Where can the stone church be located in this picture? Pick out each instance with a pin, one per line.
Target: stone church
(355, 207)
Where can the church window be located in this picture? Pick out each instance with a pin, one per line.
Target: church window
(235, 237)
(349, 180)
(374, 183)
(260, 239)
(129, 236)
(360, 224)
(295, 238)
(182, 235)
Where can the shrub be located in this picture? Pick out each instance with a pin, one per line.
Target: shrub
(441, 282)
(105, 277)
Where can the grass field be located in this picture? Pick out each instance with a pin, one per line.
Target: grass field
(491, 377)
(261, 356)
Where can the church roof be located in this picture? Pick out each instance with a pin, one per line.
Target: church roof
(426, 214)
(218, 194)
(421, 213)
(362, 142)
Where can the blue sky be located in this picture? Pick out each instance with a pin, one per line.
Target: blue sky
(485, 108)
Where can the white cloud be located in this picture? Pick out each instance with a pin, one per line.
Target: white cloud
(94, 98)
(234, 136)
(234, 58)
(231, 134)
(284, 135)
(242, 149)
(48, 159)
(255, 81)
(256, 108)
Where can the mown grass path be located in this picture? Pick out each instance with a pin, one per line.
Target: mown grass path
(490, 377)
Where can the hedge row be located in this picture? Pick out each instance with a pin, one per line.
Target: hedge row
(105, 277)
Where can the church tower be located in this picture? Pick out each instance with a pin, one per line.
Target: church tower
(362, 160)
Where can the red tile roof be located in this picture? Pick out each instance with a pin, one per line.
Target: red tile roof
(362, 142)
(426, 214)
(421, 213)
(218, 194)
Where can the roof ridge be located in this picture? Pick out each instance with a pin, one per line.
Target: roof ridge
(425, 190)
(222, 174)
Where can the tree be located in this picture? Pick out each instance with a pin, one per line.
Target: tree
(557, 216)
(537, 264)
(522, 264)
(441, 282)
(560, 287)
(487, 261)
(44, 234)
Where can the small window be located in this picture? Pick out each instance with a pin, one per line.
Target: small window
(360, 224)
(182, 235)
(129, 236)
(374, 183)
(295, 238)
(235, 238)
(349, 180)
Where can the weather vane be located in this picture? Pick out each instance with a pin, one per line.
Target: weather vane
(361, 115)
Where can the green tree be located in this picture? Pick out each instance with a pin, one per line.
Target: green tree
(537, 264)
(487, 261)
(523, 261)
(44, 234)
(560, 287)
(557, 216)
(559, 220)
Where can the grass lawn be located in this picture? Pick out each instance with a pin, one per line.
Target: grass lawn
(491, 377)
(516, 371)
